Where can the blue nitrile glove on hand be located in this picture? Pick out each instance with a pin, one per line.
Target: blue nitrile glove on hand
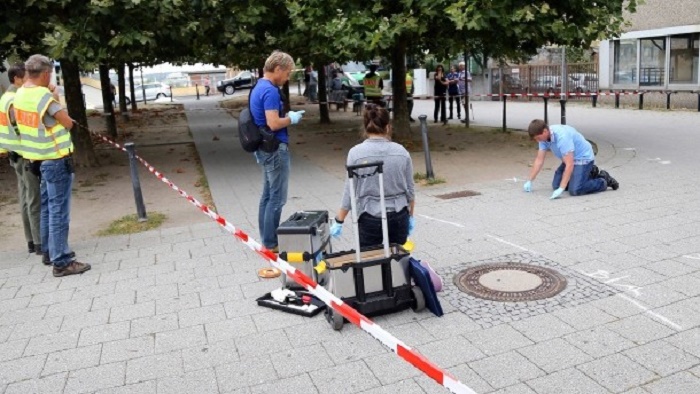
(336, 229)
(411, 224)
(527, 186)
(295, 116)
(556, 193)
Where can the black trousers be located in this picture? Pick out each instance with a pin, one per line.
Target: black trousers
(440, 107)
(459, 105)
(371, 228)
(409, 104)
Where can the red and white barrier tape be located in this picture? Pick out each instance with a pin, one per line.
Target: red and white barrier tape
(547, 95)
(353, 316)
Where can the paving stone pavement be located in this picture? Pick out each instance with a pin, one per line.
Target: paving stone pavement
(173, 310)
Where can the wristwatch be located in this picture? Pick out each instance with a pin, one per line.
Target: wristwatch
(338, 220)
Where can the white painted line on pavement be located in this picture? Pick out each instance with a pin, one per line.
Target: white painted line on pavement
(442, 221)
(488, 235)
(501, 240)
(654, 315)
(695, 256)
(602, 274)
(629, 148)
(665, 162)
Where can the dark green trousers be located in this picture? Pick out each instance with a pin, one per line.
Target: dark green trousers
(29, 200)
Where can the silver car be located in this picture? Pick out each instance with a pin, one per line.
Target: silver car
(153, 91)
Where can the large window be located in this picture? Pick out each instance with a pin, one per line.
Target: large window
(625, 62)
(684, 59)
(652, 67)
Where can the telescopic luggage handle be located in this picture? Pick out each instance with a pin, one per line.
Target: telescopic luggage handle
(378, 164)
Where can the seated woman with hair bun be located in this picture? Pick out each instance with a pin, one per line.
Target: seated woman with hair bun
(399, 192)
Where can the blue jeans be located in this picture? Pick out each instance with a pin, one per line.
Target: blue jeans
(275, 168)
(56, 184)
(581, 182)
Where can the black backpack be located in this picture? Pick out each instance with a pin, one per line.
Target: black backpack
(253, 137)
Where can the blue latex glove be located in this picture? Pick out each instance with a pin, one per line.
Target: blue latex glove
(336, 229)
(556, 193)
(295, 116)
(527, 186)
(411, 224)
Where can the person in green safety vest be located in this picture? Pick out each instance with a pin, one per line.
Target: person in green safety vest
(373, 85)
(44, 127)
(27, 182)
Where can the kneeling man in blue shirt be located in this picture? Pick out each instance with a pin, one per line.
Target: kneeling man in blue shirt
(577, 172)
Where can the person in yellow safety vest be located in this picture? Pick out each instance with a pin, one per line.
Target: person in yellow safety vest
(44, 128)
(27, 182)
(409, 95)
(373, 85)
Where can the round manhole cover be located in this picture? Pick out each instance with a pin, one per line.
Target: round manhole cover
(512, 282)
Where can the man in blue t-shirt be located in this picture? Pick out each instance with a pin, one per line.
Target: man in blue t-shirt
(577, 172)
(267, 109)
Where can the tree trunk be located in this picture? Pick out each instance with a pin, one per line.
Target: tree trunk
(107, 101)
(402, 129)
(84, 154)
(122, 91)
(323, 96)
(132, 91)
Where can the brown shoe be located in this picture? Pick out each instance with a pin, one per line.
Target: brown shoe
(45, 258)
(72, 269)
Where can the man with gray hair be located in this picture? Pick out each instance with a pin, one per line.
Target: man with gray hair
(267, 111)
(27, 182)
(465, 87)
(44, 128)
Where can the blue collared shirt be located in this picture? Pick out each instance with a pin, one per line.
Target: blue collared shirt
(565, 139)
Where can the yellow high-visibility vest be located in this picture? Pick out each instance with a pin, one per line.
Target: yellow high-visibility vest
(39, 142)
(372, 86)
(409, 85)
(9, 140)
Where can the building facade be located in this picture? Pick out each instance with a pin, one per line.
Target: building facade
(659, 50)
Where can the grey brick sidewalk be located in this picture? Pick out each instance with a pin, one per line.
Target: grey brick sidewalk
(173, 311)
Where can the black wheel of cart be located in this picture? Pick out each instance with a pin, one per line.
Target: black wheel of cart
(335, 319)
(418, 299)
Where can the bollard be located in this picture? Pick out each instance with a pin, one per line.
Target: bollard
(426, 146)
(698, 101)
(546, 115)
(594, 99)
(617, 100)
(466, 110)
(504, 113)
(563, 111)
(196, 88)
(171, 94)
(668, 100)
(641, 100)
(135, 183)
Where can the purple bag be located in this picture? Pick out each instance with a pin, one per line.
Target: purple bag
(434, 277)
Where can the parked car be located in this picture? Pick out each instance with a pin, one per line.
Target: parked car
(583, 83)
(153, 91)
(511, 84)
(356, 70)
(244, 79)
(547, 84)
(351, 85)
